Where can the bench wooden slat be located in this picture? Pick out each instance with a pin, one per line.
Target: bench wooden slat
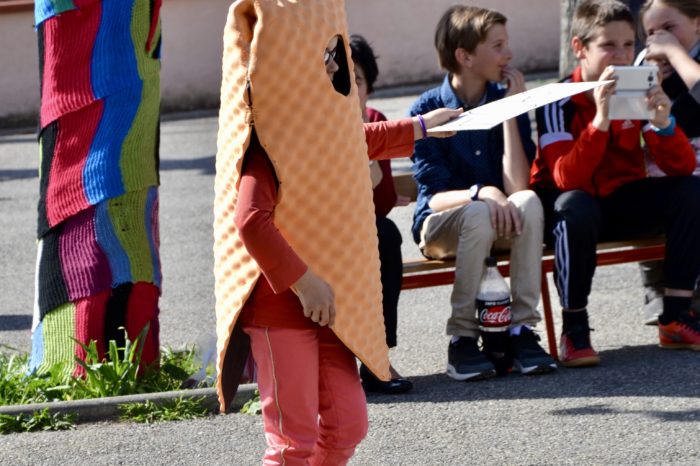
(414, 266)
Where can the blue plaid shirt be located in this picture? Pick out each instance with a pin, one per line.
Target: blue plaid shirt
(465, 159)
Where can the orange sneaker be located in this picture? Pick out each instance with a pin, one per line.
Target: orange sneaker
(683, 333)
(575, 349)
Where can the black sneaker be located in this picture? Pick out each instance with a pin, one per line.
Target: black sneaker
(529, 357)
(466, 362)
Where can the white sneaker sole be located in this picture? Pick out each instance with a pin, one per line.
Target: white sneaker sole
(533, 370)
(452, 373)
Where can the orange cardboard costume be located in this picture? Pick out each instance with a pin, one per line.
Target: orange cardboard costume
(274, 78)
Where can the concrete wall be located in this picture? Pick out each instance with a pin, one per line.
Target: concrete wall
(401, 32)
(19, 63)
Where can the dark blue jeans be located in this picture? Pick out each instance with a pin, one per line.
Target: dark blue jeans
(576, 221)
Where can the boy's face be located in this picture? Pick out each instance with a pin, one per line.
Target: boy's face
(613, 44)
(492, 55)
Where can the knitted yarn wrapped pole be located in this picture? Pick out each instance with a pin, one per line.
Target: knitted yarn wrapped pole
(98, 266)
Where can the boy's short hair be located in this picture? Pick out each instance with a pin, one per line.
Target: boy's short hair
(364, 57)
(592, 14)
(463, 27)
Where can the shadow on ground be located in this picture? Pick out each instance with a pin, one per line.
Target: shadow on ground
(15, 322)
(624, 372)
(18, 174)
(688, 415)
(206, 165)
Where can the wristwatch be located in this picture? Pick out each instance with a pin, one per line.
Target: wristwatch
(474, 191)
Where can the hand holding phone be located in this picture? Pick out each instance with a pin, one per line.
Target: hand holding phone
(629, 102)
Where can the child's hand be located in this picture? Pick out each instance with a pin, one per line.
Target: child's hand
(437, 118)
(601, 96)
(515, 80)
(661, 45)
(505, 217)
(316, 297)
(658, 101)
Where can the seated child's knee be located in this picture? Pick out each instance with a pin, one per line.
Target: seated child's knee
(527, 202)
(476, 217)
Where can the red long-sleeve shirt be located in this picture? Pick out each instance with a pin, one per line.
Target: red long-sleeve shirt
(272, 303)
(573, 154)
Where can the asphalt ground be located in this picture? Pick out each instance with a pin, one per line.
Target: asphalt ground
(641, 406)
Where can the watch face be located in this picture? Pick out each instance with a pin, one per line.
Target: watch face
(473, 192)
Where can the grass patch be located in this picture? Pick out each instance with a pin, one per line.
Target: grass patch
(38, 421)
(253, 406)
(116, 375)
(174, 410)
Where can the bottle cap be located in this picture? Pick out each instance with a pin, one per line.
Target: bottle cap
(491, 261)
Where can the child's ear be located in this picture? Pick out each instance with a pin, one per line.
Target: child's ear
(578, 48)
(463, 57)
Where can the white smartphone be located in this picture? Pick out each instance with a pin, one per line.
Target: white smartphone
(635, 78)
(629, 100)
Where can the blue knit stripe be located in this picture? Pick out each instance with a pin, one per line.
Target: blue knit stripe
(114, 66)
(45, 9)
(102, 175)
(118, 260)
(37, 356)
(152, 212)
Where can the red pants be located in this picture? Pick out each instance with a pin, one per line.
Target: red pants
(314, 410)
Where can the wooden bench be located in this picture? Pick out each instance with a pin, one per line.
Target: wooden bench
(423, 273)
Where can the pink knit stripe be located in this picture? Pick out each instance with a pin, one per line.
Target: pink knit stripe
(89, 325)
(141, 310)
(85, 267)
(68, 44)
(65, 195)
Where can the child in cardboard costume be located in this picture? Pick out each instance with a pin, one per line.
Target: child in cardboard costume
(295, 239)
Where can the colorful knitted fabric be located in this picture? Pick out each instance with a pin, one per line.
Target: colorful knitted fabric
(98, 266)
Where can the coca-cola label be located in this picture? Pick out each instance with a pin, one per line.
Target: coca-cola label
(494, 316)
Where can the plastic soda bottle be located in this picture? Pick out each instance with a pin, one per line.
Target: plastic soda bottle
(493, 307)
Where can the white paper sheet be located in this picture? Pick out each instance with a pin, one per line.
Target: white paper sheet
(489, 115)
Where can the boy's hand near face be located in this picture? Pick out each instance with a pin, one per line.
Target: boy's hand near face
(658, 101)
(601, 96)
(317, 298)
(515, 81)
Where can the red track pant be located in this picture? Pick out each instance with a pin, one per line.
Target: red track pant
(314, 410)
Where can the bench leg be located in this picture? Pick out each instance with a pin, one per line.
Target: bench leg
(548, 320)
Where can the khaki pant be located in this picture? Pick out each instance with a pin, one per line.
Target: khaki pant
(465, 234)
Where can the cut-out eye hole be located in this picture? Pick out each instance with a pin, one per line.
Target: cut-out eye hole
(341, 78)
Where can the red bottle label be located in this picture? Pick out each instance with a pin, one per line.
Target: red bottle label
(494, 316)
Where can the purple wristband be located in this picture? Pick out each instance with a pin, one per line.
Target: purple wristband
(423, 129)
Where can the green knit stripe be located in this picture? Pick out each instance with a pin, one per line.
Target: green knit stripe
(140, 26)
(128, 214)
(58, 331)
(138, 161)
